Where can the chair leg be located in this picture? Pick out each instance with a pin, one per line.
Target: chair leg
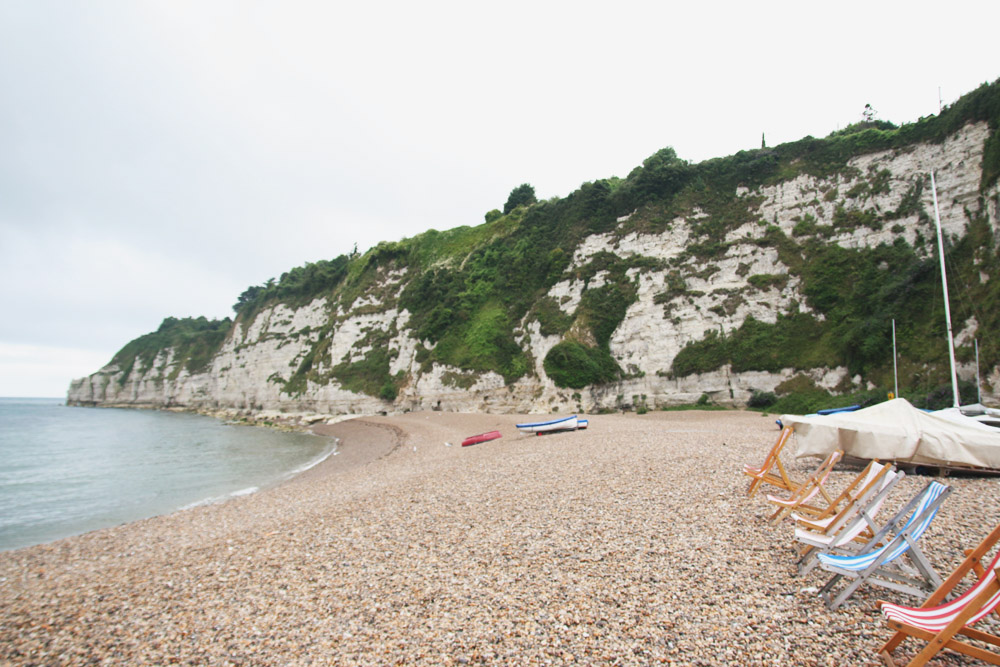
(890, 646)
(808, 563)
(825, 592)
(847, 591)
(887, 658)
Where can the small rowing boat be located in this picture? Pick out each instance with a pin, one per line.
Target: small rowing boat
(482, 437)
(562, 424)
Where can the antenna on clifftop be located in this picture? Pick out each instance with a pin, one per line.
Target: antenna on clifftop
(940, 101)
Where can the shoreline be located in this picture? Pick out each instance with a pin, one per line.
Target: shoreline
(630, 542)
(295, 451)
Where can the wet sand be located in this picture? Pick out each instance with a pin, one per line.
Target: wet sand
(632, 542)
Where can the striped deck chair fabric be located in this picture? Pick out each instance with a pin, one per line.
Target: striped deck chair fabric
(881, 566)
(861, 485)
(853, 526)
(938, 622)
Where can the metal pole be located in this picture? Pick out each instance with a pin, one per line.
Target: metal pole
(979, 393)
(895, 375)
(944, 283)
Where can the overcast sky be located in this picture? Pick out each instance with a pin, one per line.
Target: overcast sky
(157, 158)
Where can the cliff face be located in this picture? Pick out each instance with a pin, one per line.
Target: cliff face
(285, 356)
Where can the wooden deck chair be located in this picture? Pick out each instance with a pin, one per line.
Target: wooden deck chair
(882, 565)
(762, 474)
(854, 525)
(861, 484)
(812, 487)
(937, 622)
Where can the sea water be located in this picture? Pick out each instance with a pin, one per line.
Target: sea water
(68, 470)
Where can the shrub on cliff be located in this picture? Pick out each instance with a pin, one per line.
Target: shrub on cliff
(522, 195)
(572, 365)
(194, 340)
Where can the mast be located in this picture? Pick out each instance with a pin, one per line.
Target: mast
(979, 392)
(947, 305)
(895, 375)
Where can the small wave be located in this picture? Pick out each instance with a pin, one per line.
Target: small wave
(201, 503)
(323, 456)
(212, 500)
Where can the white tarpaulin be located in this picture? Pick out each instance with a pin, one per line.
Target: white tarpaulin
(897, 431)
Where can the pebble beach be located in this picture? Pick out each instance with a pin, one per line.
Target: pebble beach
(630, 543)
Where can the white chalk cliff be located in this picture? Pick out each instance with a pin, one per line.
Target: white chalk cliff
(250, 371)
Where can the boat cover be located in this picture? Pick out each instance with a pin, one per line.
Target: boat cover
(897, 431)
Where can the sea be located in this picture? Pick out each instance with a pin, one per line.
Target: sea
(69, 470)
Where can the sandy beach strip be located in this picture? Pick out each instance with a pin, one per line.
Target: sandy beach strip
(630, 543)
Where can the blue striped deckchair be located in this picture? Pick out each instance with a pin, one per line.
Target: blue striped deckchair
(852, 528)
(882, 565)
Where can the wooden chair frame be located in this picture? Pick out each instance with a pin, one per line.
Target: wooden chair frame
(812, 487)
(854, 525)
(762, 474)
(881, 565)
(960, 624)
(867, 479)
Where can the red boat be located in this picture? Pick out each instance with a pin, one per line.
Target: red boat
(482, 437)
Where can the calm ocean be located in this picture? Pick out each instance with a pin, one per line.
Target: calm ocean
(65, 471)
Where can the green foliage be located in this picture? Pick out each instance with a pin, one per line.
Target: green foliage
(194, 341)
(572, 365)
(297, 286)
(795, 340)
(823, 157)
(763, 281)
(662, 175)
(943, 396)
(522, 195)
(853, 218)
(789, 252)
(708, 354)
(604, 309)
(804, 403)
(861, 291)
(551, 318)
(676, 286)
(761, 399)
(806, 225)
(370, 375)
(493, 215)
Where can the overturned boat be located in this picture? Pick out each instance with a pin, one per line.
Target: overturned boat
(481, 437)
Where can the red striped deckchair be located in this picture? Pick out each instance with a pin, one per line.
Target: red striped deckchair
(763, 473)
(937, 622)
(812, 487)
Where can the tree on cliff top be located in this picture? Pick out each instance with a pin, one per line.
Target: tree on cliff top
(523, 194)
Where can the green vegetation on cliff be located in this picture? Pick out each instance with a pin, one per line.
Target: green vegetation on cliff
(193, 340)
(473, 292)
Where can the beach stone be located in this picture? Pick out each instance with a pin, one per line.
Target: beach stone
(630, 543)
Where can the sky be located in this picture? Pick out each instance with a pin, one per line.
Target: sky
(159, 157)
